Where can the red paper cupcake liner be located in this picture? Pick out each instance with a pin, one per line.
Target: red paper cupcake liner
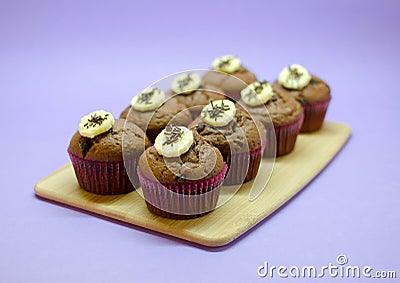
(314, 115)
(285, 136)
(243, 167)
(105, 178)
(182, 201)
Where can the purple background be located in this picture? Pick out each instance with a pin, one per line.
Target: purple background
(62, 59)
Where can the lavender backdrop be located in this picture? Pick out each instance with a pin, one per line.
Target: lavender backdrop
(62, 59)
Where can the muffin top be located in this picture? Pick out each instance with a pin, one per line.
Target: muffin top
(199, 97)
(200, 161)
(172, 111)
(232, 137)
(282, 109)
(306, 88)
(230, 82)
(188, 89)
(107, 146)
(229, 74)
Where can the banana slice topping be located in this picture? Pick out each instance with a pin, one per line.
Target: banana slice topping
(173, 141)
(294, 76)
(257, 93)
(95, 123)
(227, 64)
(219, 112)
(186, 83)
(148, 99)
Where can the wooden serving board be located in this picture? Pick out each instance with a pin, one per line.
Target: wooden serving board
(227, 222)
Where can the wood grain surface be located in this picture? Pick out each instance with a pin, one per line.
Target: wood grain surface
(291, 174)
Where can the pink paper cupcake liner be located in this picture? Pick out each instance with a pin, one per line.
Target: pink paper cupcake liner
(243, 167)
(314, 115)
(182, 201)
(105, 178)
(286, 137)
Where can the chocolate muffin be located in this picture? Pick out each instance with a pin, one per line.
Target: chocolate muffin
(313, 94)
(181, 174)
(268, 106)
(229, 75)
(151, 111)
(188, 90)
(236, 135)
(96, 152)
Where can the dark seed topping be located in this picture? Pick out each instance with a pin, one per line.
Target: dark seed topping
(216, 110)
(95, 120)
(173, 134)
(294, 74)
(224, 62)
(251, 95)
(184, 82)
(257, 90)
(145, 97)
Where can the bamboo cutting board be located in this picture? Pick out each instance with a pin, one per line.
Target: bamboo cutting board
(226, 223)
